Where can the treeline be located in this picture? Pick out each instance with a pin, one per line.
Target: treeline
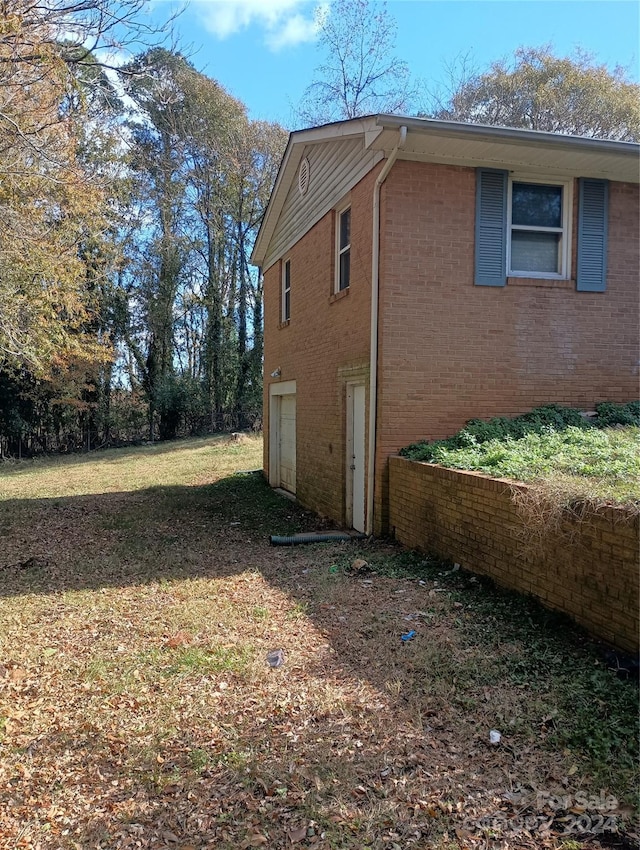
(129, 201)
(130, 196)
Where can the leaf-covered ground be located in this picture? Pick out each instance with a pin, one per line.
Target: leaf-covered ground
(139, 597)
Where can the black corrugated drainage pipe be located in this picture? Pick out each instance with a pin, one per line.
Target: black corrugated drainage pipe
(295, 539)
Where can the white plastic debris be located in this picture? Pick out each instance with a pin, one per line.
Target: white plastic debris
(494, 737)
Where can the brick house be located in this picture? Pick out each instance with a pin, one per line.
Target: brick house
(419, 273)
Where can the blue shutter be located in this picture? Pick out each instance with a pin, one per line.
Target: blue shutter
(491, 228)
(593, 218)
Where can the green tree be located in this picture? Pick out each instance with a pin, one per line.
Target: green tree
(153, 82)
(538, 90)
(203, 174)
(216, 125)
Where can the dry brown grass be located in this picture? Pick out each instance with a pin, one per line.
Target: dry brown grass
(140, 598)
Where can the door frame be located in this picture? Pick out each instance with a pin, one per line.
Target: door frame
(349, 476)
(276, 391)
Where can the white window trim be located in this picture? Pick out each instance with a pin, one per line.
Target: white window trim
(340, 251)
(567, 213)
(283, 291)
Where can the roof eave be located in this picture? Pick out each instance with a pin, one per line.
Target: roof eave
(484, 132)
(371, 128)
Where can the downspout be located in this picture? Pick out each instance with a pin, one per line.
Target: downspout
(375, 288)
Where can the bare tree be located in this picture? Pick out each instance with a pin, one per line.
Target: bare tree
(360, 74)
(80, 27)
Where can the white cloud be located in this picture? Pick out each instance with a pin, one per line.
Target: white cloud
(296, 30)
(284, 21)
(112, 56)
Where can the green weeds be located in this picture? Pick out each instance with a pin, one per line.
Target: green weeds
(550, 443)
(570, 699)
(199, 759)
(197, 660)
(297, 611)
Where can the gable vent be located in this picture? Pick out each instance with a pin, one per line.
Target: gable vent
(304, 174)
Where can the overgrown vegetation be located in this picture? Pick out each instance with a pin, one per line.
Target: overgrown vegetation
(589, 457)
(137, 708)
(510, 639)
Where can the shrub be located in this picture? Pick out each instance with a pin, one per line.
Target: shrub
(541, 420)
(610, 413)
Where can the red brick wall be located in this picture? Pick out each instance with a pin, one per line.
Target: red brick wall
(325, 344)
(587, 567)
(451, 351)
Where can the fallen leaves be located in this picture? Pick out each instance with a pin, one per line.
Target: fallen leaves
(137, 710)
(181, 638)
(256, 839)
(17, 674)
(296, 835)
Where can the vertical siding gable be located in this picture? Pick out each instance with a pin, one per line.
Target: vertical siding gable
(335, 167)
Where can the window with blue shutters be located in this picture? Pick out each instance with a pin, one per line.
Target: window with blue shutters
(491, 227)
(523, 229)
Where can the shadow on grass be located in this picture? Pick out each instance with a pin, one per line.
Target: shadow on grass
(114, 539)
(435, 696)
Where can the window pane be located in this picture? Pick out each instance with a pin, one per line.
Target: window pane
(536, 206)
(345, 269)
(345, 229)
(534, 252)
(286, 291)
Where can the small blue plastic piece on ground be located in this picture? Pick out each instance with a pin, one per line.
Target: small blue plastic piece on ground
(409, 636)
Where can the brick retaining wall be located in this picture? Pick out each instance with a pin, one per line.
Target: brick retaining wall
(588, 567)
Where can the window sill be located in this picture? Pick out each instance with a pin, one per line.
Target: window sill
(545, 283)
(338, 295)
(285, 324)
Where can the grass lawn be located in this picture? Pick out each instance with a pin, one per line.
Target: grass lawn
(139, 598)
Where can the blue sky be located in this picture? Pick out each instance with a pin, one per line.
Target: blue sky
(263, 51)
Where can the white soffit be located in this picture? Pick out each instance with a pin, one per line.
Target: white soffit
(468, 145)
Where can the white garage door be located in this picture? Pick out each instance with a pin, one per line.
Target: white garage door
(287, 442)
